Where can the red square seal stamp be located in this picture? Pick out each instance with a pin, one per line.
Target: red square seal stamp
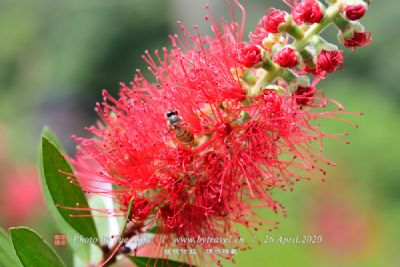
(60, 240)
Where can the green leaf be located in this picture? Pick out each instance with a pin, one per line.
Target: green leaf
(81, 249)
(144, 261)
(32, 250)
(62, 192)
(51, 136)
(7, 254)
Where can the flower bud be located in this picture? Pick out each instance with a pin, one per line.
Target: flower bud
(286, 57)
(249, 55)
(268, 42)
(359, 39)
(274, 20)
(355, 12)
(329, 61)
(308, 11)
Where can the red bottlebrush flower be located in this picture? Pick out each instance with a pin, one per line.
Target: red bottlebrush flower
(307, 11)
(21, 188)
(359, 39)
(248, 55)
(304, 95)
(197, 159)
(286, 57)
(329, 61)
(274, 19)
(355, 12)
(184, 189)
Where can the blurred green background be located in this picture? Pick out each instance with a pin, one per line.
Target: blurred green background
(56, 56)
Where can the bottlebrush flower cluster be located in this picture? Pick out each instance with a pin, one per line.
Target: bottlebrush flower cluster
(226, 122)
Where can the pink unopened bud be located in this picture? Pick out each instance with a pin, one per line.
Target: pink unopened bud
(286, 57)
(249, 55)
(359, 39)
(355, 12)
(329, 61)
(274, 19)
(308, 11)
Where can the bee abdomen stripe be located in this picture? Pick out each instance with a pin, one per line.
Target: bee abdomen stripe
(184, 135)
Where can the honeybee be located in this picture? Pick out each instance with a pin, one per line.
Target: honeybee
(174, 123)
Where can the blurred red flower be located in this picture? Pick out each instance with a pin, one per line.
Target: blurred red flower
(21, 196)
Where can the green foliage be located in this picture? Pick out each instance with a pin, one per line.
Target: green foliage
(63, 193)
(58, 190)
(32, 250)
(7, 255)
(50, 135)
